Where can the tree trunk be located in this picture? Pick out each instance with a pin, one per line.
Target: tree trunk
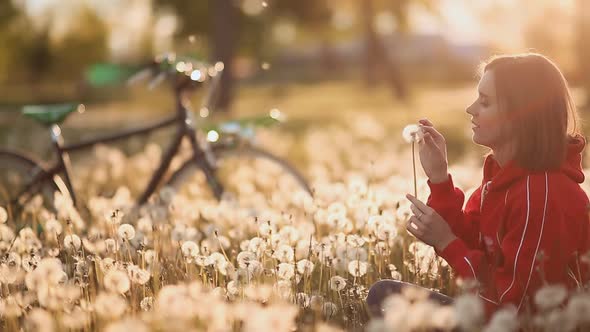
(370, 42)
(377, 55)
(223, 41)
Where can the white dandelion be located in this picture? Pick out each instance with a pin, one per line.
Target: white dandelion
(111, 245)
(357, 268)
(284, 253)
(147, 303)
(305, 267)
(286, 271)
(245, 258)
(504, 319)
(549, 297)
(126, 232)
(337, 283)
(72, 242)
(469, 312)
(578, 308)
(190, 249)
(138, 275)
(413, 133)
(3, 215)
(117, 281)
(110, 306)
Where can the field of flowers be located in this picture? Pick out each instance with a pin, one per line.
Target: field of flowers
(270, 259)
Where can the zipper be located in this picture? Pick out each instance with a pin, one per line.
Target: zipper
(484, 192)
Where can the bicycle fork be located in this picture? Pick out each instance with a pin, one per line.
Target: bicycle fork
(202, 155)
(63, 162)
(206, 165)
(157, 176)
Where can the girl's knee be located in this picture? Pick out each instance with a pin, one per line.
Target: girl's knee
(381, 289)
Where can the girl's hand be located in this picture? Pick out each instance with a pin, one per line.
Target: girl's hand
(428, 226)
(433, 153)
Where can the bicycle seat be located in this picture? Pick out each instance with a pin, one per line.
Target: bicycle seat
(49, 114)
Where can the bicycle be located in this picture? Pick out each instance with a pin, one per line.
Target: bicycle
(230, 139)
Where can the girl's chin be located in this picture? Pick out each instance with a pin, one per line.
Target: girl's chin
(477, 140)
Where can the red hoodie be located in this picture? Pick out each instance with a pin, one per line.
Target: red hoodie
(520, 215)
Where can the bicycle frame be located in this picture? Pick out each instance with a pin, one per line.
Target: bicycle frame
(185, 128)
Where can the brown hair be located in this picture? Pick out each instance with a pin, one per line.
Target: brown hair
(534, 97)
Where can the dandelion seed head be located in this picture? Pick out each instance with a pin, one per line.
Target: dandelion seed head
(52, 226)
(109, 305)
(470, 311)
(355, 241)
(126, 232)
(190, 249)
(286, 271)
(3, 215)
(114, 217)
(412, 133)
(72, 242)
(578, 308)
(505, 319)
(444, 318)
(337, 283)
(147, 303)
(357, 268)
(117, 281)
(550, 296)
(233, 288)
(245, 258)
(305, 267)
(284, 253)
(111, 245)
(138, 275)
(149, 256)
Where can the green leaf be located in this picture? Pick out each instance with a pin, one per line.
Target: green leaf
(103, 74)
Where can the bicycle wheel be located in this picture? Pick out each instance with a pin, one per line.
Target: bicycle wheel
(17, 172)
(241, 172)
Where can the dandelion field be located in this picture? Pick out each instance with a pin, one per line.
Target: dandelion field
(272, 258)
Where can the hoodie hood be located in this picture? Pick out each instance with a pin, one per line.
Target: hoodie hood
(502, 177)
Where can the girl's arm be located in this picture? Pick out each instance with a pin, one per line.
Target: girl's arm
(447, 201)
(535, 225)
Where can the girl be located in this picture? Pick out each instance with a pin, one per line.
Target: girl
(527, 225)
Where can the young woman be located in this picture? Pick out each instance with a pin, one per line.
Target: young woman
(527, 225)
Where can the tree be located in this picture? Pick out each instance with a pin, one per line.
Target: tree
(376, 54)
(223, 39)
(377, 58)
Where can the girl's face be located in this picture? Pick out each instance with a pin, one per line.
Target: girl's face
(489, 128)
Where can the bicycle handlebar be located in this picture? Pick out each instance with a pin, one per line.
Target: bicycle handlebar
(185, 69)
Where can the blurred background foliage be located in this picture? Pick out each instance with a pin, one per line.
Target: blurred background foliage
(383, 55)
(48, 42)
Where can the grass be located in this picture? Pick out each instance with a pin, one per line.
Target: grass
(268, 261)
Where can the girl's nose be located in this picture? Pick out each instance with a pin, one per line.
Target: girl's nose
(470, 109)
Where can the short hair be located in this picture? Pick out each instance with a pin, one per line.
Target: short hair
(533, 95)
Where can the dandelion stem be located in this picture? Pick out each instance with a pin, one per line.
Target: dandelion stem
(414, 169)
